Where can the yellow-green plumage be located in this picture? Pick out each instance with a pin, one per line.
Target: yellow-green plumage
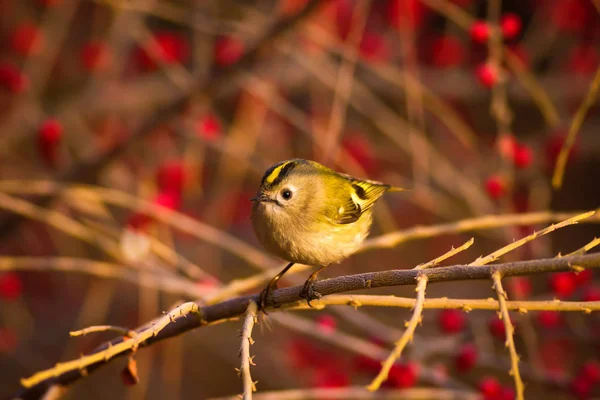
(326, 219)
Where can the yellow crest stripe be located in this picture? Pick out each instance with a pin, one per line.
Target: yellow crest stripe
(275, 173)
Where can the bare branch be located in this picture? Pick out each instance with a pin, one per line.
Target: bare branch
(249, 321)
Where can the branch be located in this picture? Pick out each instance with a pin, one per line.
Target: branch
(87, 171)
(67, 373)
(509, 331)
(405, 338)
(250, 320)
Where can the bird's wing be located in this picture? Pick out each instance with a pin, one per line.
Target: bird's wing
(362, 195)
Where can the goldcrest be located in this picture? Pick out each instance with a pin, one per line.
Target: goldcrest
(307, 213)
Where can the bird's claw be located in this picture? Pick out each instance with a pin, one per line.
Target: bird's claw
(309, 293)
(265, 299)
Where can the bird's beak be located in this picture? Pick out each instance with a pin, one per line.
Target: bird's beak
(261, 197)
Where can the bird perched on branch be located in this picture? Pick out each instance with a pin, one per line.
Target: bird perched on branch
(307, 213)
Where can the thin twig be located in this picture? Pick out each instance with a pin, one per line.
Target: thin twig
(103, 328)
(249, 321)
(447, 255)
(406, 336)
(509, 330)
(563, 156)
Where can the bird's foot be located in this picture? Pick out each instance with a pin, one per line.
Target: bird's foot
(265, 299)
(308, 291)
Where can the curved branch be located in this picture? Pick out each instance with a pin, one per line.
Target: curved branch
(177, 323)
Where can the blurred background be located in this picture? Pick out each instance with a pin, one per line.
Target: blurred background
(111, 111)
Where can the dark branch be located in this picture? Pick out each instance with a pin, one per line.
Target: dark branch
(236, 307)
(87, 171)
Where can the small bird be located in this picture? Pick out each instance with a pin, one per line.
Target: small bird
(307, 213)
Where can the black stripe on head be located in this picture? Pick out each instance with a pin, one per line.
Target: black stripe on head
(277, 173)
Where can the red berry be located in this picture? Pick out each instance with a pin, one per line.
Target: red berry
(489, 387)
(27, 39)
(523, 157)
(326, 323)
(51, 131)
(329, 377)
(209, 127)
(591, 371)
(496, 328)
(168, 199)
(480, 31)
(507, 145)
(451, 321)
(563, 284)
(584, 277)
(11, 286)
(591, 293)
(580, 387)
(403, 375)
(343, 17)
(446, 51)
(171, 176)
(549, 319)
(8, 340)
(507, 393)
(12, 78)
(511, 25)
(495, 187)
(228, 50)
(466, 358)
(95, 56)
(583, 60)
(571, 15)
(403, 14)
(487, 75)
(520, 287)
(373, 47)
(164, 48)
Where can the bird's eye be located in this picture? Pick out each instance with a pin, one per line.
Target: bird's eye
(286, 194)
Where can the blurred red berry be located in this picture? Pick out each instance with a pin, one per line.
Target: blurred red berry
(584, 277)
(583, 60)
(489, 387)
(359, 148)
(495, 187)
(228, 50)
(487, 75)
(571, 15)
(168, 199)
(507, 393)
(580, 387)
(406, 14)
(171, 176)
(496, 328)
(95, 56)
(49, 139)
(591, 371)
(520, 287)
(329, 377)
(12, 78)
(343, 10)
(11, 286)
(554, 146)
(511, 25)
(506, 145)
(326, 323)
(466, 358)
(446, 51)
(562, 284)
(523, 157)
(451, 321)
(373, 47)
(403, 375)
(8, 340)
(26, 39)
(164, 48)
(209, 127)
(480, 31)
(549, 319)
(591, 293)
(366, 364)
